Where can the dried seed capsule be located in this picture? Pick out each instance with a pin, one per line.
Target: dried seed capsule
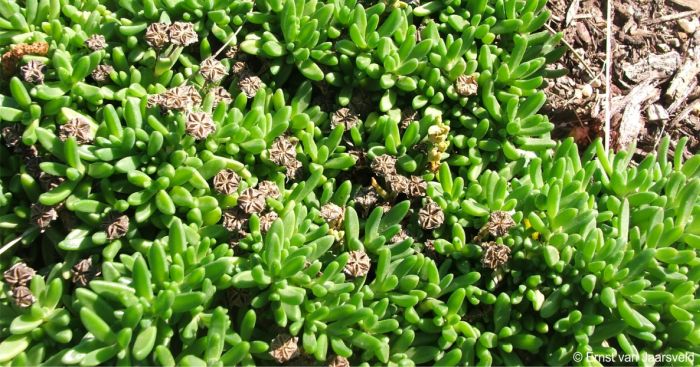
(232, 51)
(367, 198)
(417, 186)
(78, 128)
(284, 348)
(221, 95)
(154, 100)
(345, 117)
(199, 125)
(18, 275)
(42, 216)
(266, 221)
(96, 42)
(293, 169)
(358, 264)
(101, 73)
(157, 35)
(234, 220)
(212, 70)
(251, 201)
(398, 183)
(499, 223)
(115, 225)
(12, 135)
(384, 165)
(466, 85)
(338, 361)
(495, 255)
(84, 272)
(408, 115)
(431, 216)
(192, 94)
(429, 249)
(249, 84)
(227, 181)
(283, 151)
(332, 214)
(182, 34)
(238, 67)
(23, 297)
(400, 236)
(33, 72)
(269, 189)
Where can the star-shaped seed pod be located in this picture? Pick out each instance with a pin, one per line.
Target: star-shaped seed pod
(266, 221)
(232, 52)
(466, 85)
(12, 134)
(18, 275)
(78, 128)
(398, 184)
(429, 249)
(101, 73)
(399, 236)
(234, 220)
(284, 348)
(249, 84)
(42, 216)
(182, 34)
(332, 214)
(283, 151)
(269, 189)
(495, 255)
(23, 297)
(157, 35)
(251, 201)
(84, 272)
(239, 67)
(431, 216)
(384, 165)
(358, 264)
(115, 225)
(417, 186)
(221, 95)
(199, 125)
(344, 117)
(154, 100)
(33, 72)
(367, 198)
(195, 99)
(499, 223)
(212, 70)
(408, 115)
(96, 42)
(338, 361)
(227, 182)
(293, 169)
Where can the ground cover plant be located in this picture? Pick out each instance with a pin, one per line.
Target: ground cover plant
(206, 182)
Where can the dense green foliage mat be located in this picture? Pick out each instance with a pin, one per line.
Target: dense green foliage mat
(215, 182)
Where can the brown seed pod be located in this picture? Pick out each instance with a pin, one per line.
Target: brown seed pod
(417, 186)
(182, 34)
(466, 85)
(101, 73)
(338, 361)
(199, 125)
(18, 275)
(266, 221)
(234, 220)
(249, 84)
(293, 169)
(269, 189)
(384, 165)
(193, 96)
(344, 117)
(283, 151)
(212, 70)
(399, 236)
(23, 297)
(429, 249)
(96, 42)
(367, 198)
(398, 184)
(12, 134)
(42, 215)
(284, 348)
(227, 182)
(115, 225)
(33, 72)
(232, 51)
(251, 201)
(358, 264)
(495, 255)
(332, 214)
(431, 216)
(78, 128)
(84, 272)
(499, 223)
(239, 67)
(221, 95)
(154, 100)
(157, 35)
